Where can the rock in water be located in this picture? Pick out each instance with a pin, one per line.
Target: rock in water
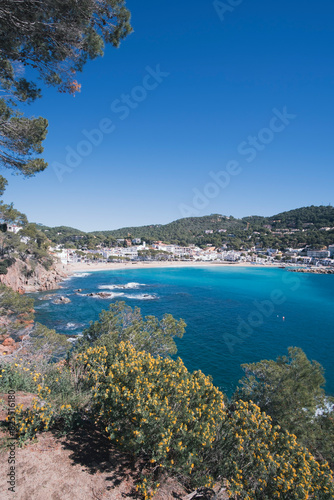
(61, 300)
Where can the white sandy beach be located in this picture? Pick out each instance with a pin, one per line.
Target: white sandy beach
(90, 267)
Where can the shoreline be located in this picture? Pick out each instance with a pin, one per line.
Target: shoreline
(70, 269)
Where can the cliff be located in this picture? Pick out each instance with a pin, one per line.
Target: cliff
(31, 277)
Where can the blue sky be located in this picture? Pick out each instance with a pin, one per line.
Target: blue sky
(224, 77)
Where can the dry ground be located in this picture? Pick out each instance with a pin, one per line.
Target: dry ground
(80, 466)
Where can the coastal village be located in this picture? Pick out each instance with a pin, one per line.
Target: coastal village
(136, 250)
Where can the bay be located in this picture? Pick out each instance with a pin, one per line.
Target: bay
(234, 315)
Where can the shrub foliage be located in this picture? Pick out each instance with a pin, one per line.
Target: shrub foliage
(176, 422)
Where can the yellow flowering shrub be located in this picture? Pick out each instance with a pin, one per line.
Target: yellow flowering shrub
(44, 412)
(176, 421)
(155, 407)
(147, 488)
(263, 462)
(17, 374)
(27, 422)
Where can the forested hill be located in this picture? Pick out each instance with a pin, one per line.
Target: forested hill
(318, 216)
(179, 230)
(303, 226)
(60, 234)
(322, 216)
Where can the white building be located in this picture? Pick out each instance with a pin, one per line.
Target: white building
(166, 248)
(318, 254)
(231, 256)
(130, 252)
(64, 255)
(13, 228)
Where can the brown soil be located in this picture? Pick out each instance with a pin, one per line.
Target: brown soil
(80, 466)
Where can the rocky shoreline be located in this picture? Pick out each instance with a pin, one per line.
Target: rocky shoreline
(23, 277)
(320, 270)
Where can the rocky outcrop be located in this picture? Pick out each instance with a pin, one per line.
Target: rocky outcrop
(13, 330)
(102, 295)
(26, 277)
(61, 300)
(8, 346)
(317, 270)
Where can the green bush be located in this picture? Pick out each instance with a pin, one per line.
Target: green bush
(175, 421)
(262, 462)
(290, 390)
(178, 422)
(122, 323)
(14, 376)
(3, 268)
(155, 408)
(14, 302)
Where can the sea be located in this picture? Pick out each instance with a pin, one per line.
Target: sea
(234, 315)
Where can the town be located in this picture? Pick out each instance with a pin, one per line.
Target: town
(301, 239)
(136, 250)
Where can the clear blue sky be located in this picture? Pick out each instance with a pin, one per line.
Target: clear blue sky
(225, 78)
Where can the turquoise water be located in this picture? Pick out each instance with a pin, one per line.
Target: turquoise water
(233, 315)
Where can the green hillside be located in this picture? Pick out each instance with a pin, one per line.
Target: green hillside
(294, 228)
(322, 216)
(185, 230)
